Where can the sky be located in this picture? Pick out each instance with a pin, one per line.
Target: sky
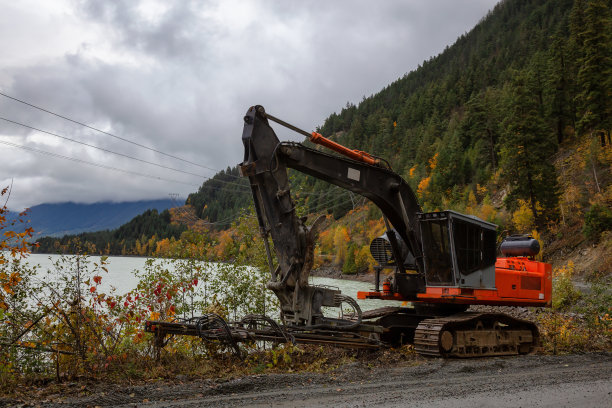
(177, 78)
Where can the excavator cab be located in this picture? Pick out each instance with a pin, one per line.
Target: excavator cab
(458, 250)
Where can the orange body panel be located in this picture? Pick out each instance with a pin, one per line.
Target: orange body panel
(518, 282)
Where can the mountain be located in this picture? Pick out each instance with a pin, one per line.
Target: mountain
(455, 124)
(56, 220)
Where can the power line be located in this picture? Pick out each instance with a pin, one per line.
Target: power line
(102, 149)
(46, 153)
(115, 153)
(124, 140)
(103, 166)
(107, 133)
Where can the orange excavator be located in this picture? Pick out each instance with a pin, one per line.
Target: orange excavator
(442, 262)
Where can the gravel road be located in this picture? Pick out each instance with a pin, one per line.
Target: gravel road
(526, 381)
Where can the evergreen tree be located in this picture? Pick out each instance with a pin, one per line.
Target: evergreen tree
(595, 72)
(527, 149)
(560, 84)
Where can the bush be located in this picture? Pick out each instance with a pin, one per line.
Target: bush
(565, 294)
(349, 267)
(597, 220)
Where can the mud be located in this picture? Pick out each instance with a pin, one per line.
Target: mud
(535, 380)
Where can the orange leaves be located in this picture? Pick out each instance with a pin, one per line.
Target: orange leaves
(225, 245)
(8, 282)
(433, 162)
(423, 184)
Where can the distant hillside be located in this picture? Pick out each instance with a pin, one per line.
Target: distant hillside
(139, 236)
(456, 124)
(60, 219)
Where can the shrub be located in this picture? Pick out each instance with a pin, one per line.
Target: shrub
(565, 294)
(597, 220)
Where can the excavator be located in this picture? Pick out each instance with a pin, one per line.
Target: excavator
(441, 262)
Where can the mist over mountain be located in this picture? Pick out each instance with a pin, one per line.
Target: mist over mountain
(60, 219)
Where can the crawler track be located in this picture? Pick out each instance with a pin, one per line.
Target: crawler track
(463, 335)
(475, 335)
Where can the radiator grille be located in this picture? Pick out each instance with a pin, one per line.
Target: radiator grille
(381, 251)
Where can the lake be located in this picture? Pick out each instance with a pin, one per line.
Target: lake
(121, 276)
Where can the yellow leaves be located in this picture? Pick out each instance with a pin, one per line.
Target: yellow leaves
(536, 235)
(15, 278)
(487, 212)
(374, 230)
(523, 218)
(422, 187)
(565, 271)
(481, 190)
(341, 238)
(27, 344)
(8, 282)
(341, 235)
(363, 258)
(225, 244)
(154, 316)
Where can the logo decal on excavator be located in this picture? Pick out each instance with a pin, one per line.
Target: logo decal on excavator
(353, 174)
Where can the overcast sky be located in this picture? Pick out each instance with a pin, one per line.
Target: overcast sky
(178, 76)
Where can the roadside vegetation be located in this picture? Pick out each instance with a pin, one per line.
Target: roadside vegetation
(58, 325)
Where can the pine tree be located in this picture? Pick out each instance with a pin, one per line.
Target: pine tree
(527, 149)
(560, 83)
(595, 72)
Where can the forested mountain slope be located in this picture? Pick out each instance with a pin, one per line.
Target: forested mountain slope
(136, 237)
(493, 107)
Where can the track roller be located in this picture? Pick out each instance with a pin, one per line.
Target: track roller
(475, 335)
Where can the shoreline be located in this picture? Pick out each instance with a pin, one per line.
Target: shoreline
(336, 273)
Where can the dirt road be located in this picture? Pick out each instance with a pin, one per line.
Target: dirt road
(542, 381)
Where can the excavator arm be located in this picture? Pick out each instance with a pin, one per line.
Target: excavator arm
(265, 162)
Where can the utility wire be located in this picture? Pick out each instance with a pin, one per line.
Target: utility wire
(56, 155)
(121, 154)
(102, 149)
(108, 134)
(127, 141)
(116, 153)
(46, 153)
